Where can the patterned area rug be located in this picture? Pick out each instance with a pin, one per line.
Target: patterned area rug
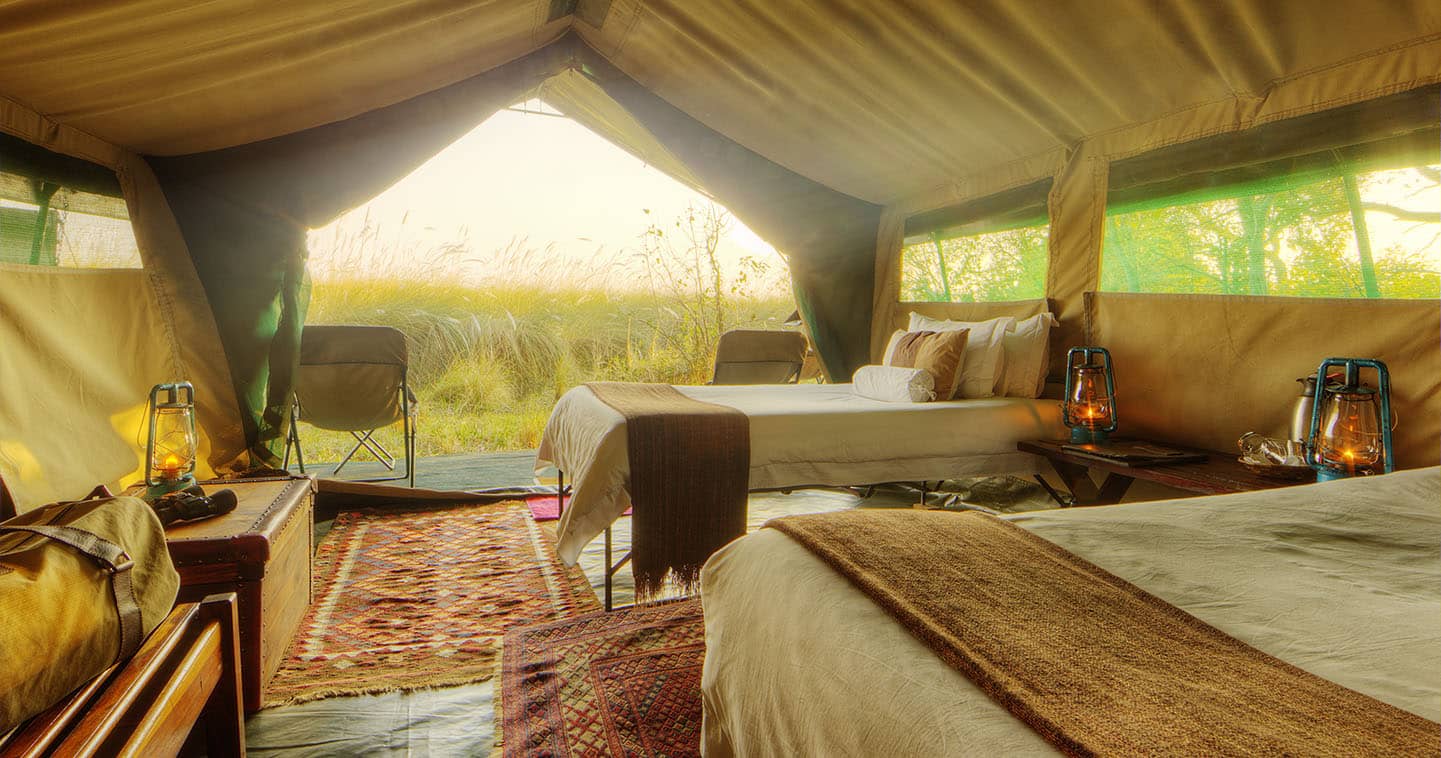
(407, 598)
(545, 508)
(622, 683)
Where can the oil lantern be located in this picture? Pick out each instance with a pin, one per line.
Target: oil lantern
(1090, 405)
(170, 451)
(1350, 432)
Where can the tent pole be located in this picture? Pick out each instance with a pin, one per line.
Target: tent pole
(1363, 236)
(43, 191)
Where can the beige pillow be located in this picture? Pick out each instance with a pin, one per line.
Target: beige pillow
(985, 352)
(942, 354)
(1028, 356)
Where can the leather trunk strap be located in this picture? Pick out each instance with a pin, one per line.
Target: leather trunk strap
(113, 559)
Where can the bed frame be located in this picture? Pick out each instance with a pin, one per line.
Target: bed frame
(185, 675)
(613, 566)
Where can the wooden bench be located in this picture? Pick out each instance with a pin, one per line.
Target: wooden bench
(185, 675)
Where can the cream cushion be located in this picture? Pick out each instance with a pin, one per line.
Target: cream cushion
(894, 384)
(985, 352)
(1028, 356)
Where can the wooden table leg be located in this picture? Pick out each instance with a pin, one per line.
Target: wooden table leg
(1113, 489)
(1083, 491)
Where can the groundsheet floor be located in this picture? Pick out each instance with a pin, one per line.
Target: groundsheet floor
(461, 720)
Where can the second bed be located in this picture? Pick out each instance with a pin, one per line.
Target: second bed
(800, 434)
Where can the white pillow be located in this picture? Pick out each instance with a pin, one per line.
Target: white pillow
(894, 384)
(985, 351)
(1028, 356)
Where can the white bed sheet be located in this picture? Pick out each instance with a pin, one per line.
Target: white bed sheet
(800, 434)
(1341, 579)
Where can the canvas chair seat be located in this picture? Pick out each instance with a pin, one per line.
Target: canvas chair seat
(352, 378)
(755, 356)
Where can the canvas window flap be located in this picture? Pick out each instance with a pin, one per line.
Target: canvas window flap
(82, 350)
(86, 345)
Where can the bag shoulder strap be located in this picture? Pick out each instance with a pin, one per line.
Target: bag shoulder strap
(113, 559)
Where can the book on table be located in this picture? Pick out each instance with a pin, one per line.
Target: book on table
(1134, 453)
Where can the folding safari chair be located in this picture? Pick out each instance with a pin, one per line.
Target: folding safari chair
(750, 356)
(353, 379)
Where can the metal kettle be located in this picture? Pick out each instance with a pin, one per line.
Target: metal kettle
(1301, 414)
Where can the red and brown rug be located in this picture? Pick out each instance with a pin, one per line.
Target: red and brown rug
(405, 599)
(621, 683)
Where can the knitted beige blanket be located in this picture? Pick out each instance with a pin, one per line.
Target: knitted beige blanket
(1093, 663)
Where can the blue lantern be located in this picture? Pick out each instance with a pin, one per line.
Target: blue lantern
(1090, 405)
(1350, 433)
(170, 452)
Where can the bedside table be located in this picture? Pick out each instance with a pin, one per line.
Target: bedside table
(1220, 474)
(262, 552)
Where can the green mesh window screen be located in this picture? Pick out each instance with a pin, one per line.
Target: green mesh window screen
(61, 211)
(1344, 203)
(990, 250)
(1358, 234)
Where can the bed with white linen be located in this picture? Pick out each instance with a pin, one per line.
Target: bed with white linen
(1341, 579)
(800, 434)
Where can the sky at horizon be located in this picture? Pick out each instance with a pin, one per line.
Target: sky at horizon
(524, 197)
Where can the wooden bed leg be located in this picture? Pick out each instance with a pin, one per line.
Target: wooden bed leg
(223, 715)
(609, 572)
(559, 493)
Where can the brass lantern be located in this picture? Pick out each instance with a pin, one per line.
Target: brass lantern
(1090, 405)
(170, 452)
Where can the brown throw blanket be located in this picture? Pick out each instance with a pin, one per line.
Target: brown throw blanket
(689, 475)
(1093, 663)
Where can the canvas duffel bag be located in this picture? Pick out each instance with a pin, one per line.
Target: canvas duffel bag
(82, 584)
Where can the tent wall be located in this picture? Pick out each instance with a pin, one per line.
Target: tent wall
(81, 348)
(1372, 99)
(1081, 172)
(1204, 369)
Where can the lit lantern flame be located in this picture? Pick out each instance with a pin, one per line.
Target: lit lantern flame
(1090, 401)
(1350, 436)
(170, 468)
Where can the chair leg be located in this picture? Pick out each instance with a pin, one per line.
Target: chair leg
(292, 440)
(375, 448)
(410, 450)
(378, 450)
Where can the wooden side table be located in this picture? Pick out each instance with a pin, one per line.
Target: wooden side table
(1219, 474)
(262, 552)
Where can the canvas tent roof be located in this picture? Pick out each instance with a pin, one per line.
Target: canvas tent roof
(878, 100)
(233, 126)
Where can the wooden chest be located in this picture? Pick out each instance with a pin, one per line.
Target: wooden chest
(262, 552)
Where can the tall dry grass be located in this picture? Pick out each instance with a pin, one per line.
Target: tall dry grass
(491, 353)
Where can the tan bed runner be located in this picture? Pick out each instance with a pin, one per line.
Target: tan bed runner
(1091, 662)
(689, 477)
